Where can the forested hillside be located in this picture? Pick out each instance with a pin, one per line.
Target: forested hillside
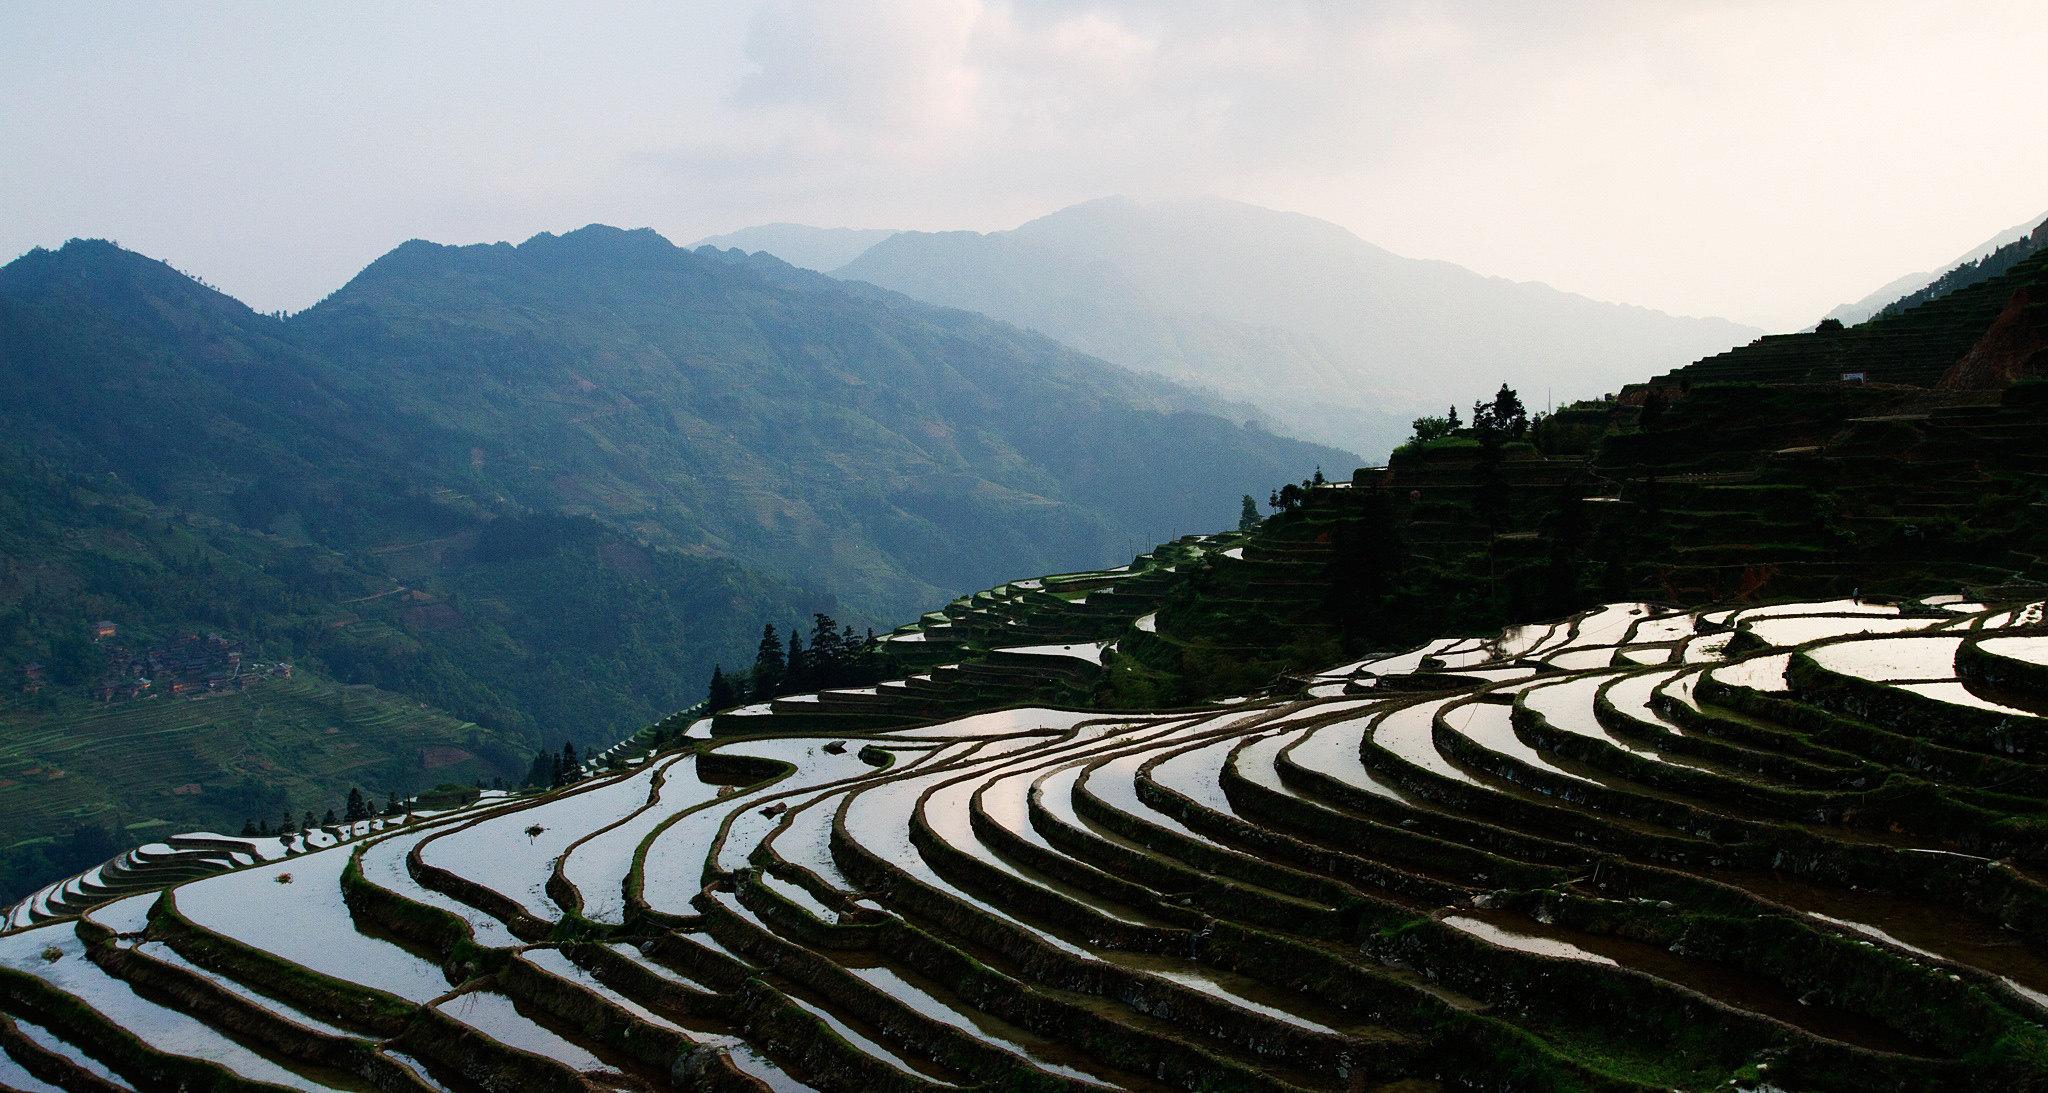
(541, 490)
(711, 401)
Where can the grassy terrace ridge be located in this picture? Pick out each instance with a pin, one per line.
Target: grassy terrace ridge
(1042, 640)
(1639, 847)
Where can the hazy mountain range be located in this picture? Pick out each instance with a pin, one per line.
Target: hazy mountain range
(819, 249)
(1339, 340)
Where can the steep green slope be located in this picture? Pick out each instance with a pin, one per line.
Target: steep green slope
(716, 402)
(542, 627)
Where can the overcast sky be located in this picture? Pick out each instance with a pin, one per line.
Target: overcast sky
(1762, 161)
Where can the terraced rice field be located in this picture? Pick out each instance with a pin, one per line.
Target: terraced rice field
(1795, 847)
(179, 759)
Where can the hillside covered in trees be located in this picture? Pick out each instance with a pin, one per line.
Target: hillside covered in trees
(541, 490)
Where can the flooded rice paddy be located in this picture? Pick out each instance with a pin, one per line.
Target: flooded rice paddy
(1555, 832)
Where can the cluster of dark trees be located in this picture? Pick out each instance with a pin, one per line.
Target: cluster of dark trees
(1504, 418)
(358, 807)
(835, 657)
(554, 769)
(1288, 497)
(1429, 427)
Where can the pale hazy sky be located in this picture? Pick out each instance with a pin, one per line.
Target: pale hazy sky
(1759, 160)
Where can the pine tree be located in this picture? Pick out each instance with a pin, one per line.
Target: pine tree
(358, 808)
(828, 654)
(391, 804)
(798, 671)
(542, 772)
(1505, 414)
(249, 829)
(331, 819)
(1248, 515)
(854, 657)
(284, 826)
(307, 822)
(768, 664)
(720, 695)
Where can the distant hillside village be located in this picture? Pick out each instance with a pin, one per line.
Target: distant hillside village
(190, 665)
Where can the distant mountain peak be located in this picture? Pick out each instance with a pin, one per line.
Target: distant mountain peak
(101, 272)
(81, 254)
(603, 236)
(1338, 339)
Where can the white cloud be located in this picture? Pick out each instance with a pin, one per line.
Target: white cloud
(1758, 158)
(898, 72)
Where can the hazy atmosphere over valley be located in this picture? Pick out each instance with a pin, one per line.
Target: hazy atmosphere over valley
(891, 546)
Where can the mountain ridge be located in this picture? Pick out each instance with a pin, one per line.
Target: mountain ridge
(800, 245)
(1269, 307)
(1900, 287)
(644, 358)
